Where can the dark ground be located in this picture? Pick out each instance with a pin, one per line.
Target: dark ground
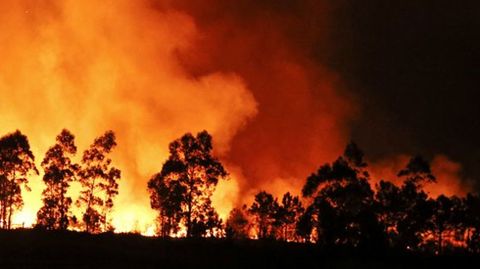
(40, 249)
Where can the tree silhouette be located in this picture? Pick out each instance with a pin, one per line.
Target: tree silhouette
(448, 221)
(167, 196)
(264, 210)
(418, 209)
(16, 162)
(59, 172)
(238, 226)
(99, 181)
(406, 211)
(442, 219)
(287, 215)
(304, 225)
(472, 222)
(342, 209)
(343, 203)
(417, 172)
(208, 223)
(182, 190)
(391, 208)
(413, 215)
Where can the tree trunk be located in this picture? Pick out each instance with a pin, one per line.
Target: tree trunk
(89, 204)
(440, 239)
(189, 204)
(9, 204)
(2, 205)
(2, 213)
(189, 215)
(62, 226)
(9, 223)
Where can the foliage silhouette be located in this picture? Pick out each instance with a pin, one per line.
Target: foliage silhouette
(472, 222)
(447, 217)
(16, 163)
(59, 172)
(342, 207)
(342, 213)
(406, 211)
(238, 224)
(264, 210)
(286, 217)
(182, 191)
(99, 180)
(417, 171)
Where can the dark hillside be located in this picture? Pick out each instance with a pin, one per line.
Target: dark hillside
(40, 249)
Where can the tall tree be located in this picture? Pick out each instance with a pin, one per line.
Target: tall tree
(59, 172)
(264, 210)
(167, 196)
(182, 190)
(238, 225)
(343, 204)
(287, 215)
(472, 222)
(304, 225)
(406, 211)
(418, 208)
(448, 221)
(391, 208)
(99, 180)
(16, 163)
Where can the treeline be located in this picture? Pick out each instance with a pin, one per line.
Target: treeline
(95, 173)
(342, 210)
(338, 207)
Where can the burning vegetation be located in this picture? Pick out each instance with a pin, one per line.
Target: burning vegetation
(338, 208)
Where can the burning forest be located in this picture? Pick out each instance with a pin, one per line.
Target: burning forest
(234, 121)
(339, 206)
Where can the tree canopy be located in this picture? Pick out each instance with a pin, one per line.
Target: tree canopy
(99, 179)
(59, 172)
(16, 163)
(182, 191)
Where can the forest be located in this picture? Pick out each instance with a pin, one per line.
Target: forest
(338, 208)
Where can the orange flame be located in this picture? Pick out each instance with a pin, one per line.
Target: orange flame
(89, 66)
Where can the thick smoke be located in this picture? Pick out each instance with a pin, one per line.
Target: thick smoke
(303, 113)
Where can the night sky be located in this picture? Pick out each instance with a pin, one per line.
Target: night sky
(415, 68)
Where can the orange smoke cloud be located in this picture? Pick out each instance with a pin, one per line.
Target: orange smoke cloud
(303, 114)
(447, 172)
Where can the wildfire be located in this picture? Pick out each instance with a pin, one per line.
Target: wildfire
(151, 72)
